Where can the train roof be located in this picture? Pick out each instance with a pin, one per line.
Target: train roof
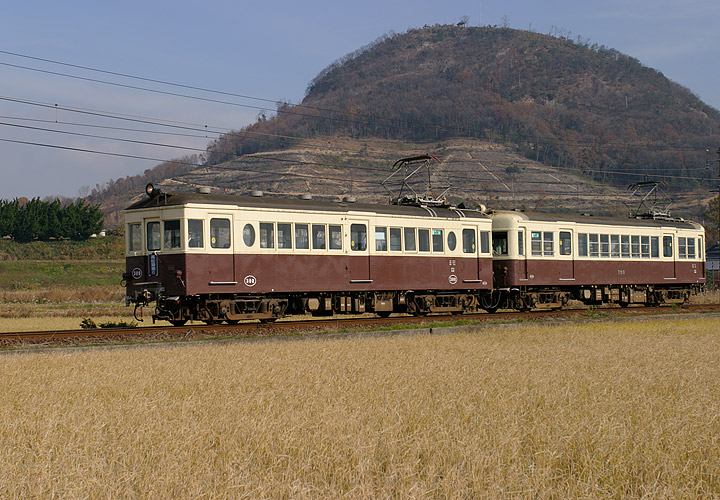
(590, 219)
(275, 203)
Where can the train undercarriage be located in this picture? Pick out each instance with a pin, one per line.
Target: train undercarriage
(233, 308)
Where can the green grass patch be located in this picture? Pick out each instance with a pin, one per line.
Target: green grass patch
(107, 248)
(32, 274)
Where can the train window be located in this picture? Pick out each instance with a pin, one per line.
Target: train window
(654, 247)
(614, 245)
(468, 240)
(395, 239)
(535, 243)
(625, 245)
(521, 242)
(318, 232)
(645, 247)
(335, 237)
(153, 236)
(565, 243)
(195, 233)
(583, 245)
(485, 241)
(284, 235)
(302, 241)
(691, 248)
(635, 246)
(424, 240)
(500, 242)
(667, 246)
(682, 248)
(594, 245)
(220, 233)
(134, 237)
(548, 244)
(381, 239)
(358, 237)
(171, 234)
(249, 235)
(451, 240)
(409, 234)
(604, 245)
(437, 240)
(700, 248)
(267, 235)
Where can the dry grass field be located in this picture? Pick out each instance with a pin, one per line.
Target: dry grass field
(595, 410)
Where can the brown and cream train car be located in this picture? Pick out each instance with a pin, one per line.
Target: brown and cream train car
(226, 258)
(544, 260)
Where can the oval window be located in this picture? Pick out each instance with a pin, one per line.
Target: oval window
(452, 241)
(249, 235)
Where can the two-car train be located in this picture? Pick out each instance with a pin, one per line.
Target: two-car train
(229, 258)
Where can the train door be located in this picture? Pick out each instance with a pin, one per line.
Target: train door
(669, 256)
(471, 263)
(220, 267)
(153, 244)
(522, 253)
(567, 259)
(359, 253)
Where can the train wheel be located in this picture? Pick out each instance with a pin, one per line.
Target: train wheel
(384, 314)
(232, 321)
(177, 322)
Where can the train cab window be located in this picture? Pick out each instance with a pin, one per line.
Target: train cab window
(171, 234)
(485, 242)
(635, 246)
(284, 235)
(594, 245)
(451, 241)
(220, 233)
(335, 237)
(302, 241)
(667, 246)
(614, 245)
(682, 248)
(468, 240)
(521, 242)
(267, 235)
(500, 242)
(700, 249)
(395, 239)
(604, 245)
(691, 248)
(381, 239)
(358, 237)
(195, 233)
(409, 234)
(625, 246)
(424, 240)
(153, 236)
(565, 243)
(134, 237)
(645, 247)
(318, 236)
(654, 247)
(249, 235)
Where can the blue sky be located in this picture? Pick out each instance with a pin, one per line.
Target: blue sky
(266, 49)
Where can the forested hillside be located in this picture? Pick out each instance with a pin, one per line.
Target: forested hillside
(561, 102)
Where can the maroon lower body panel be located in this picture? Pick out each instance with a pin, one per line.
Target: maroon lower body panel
(541, 272)
(189, 274)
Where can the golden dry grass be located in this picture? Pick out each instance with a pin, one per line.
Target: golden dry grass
(604, 410)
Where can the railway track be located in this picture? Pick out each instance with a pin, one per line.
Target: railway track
(301, 327)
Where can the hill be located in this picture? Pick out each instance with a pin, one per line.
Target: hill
(515, 116)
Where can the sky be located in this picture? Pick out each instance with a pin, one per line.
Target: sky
(267, 51)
